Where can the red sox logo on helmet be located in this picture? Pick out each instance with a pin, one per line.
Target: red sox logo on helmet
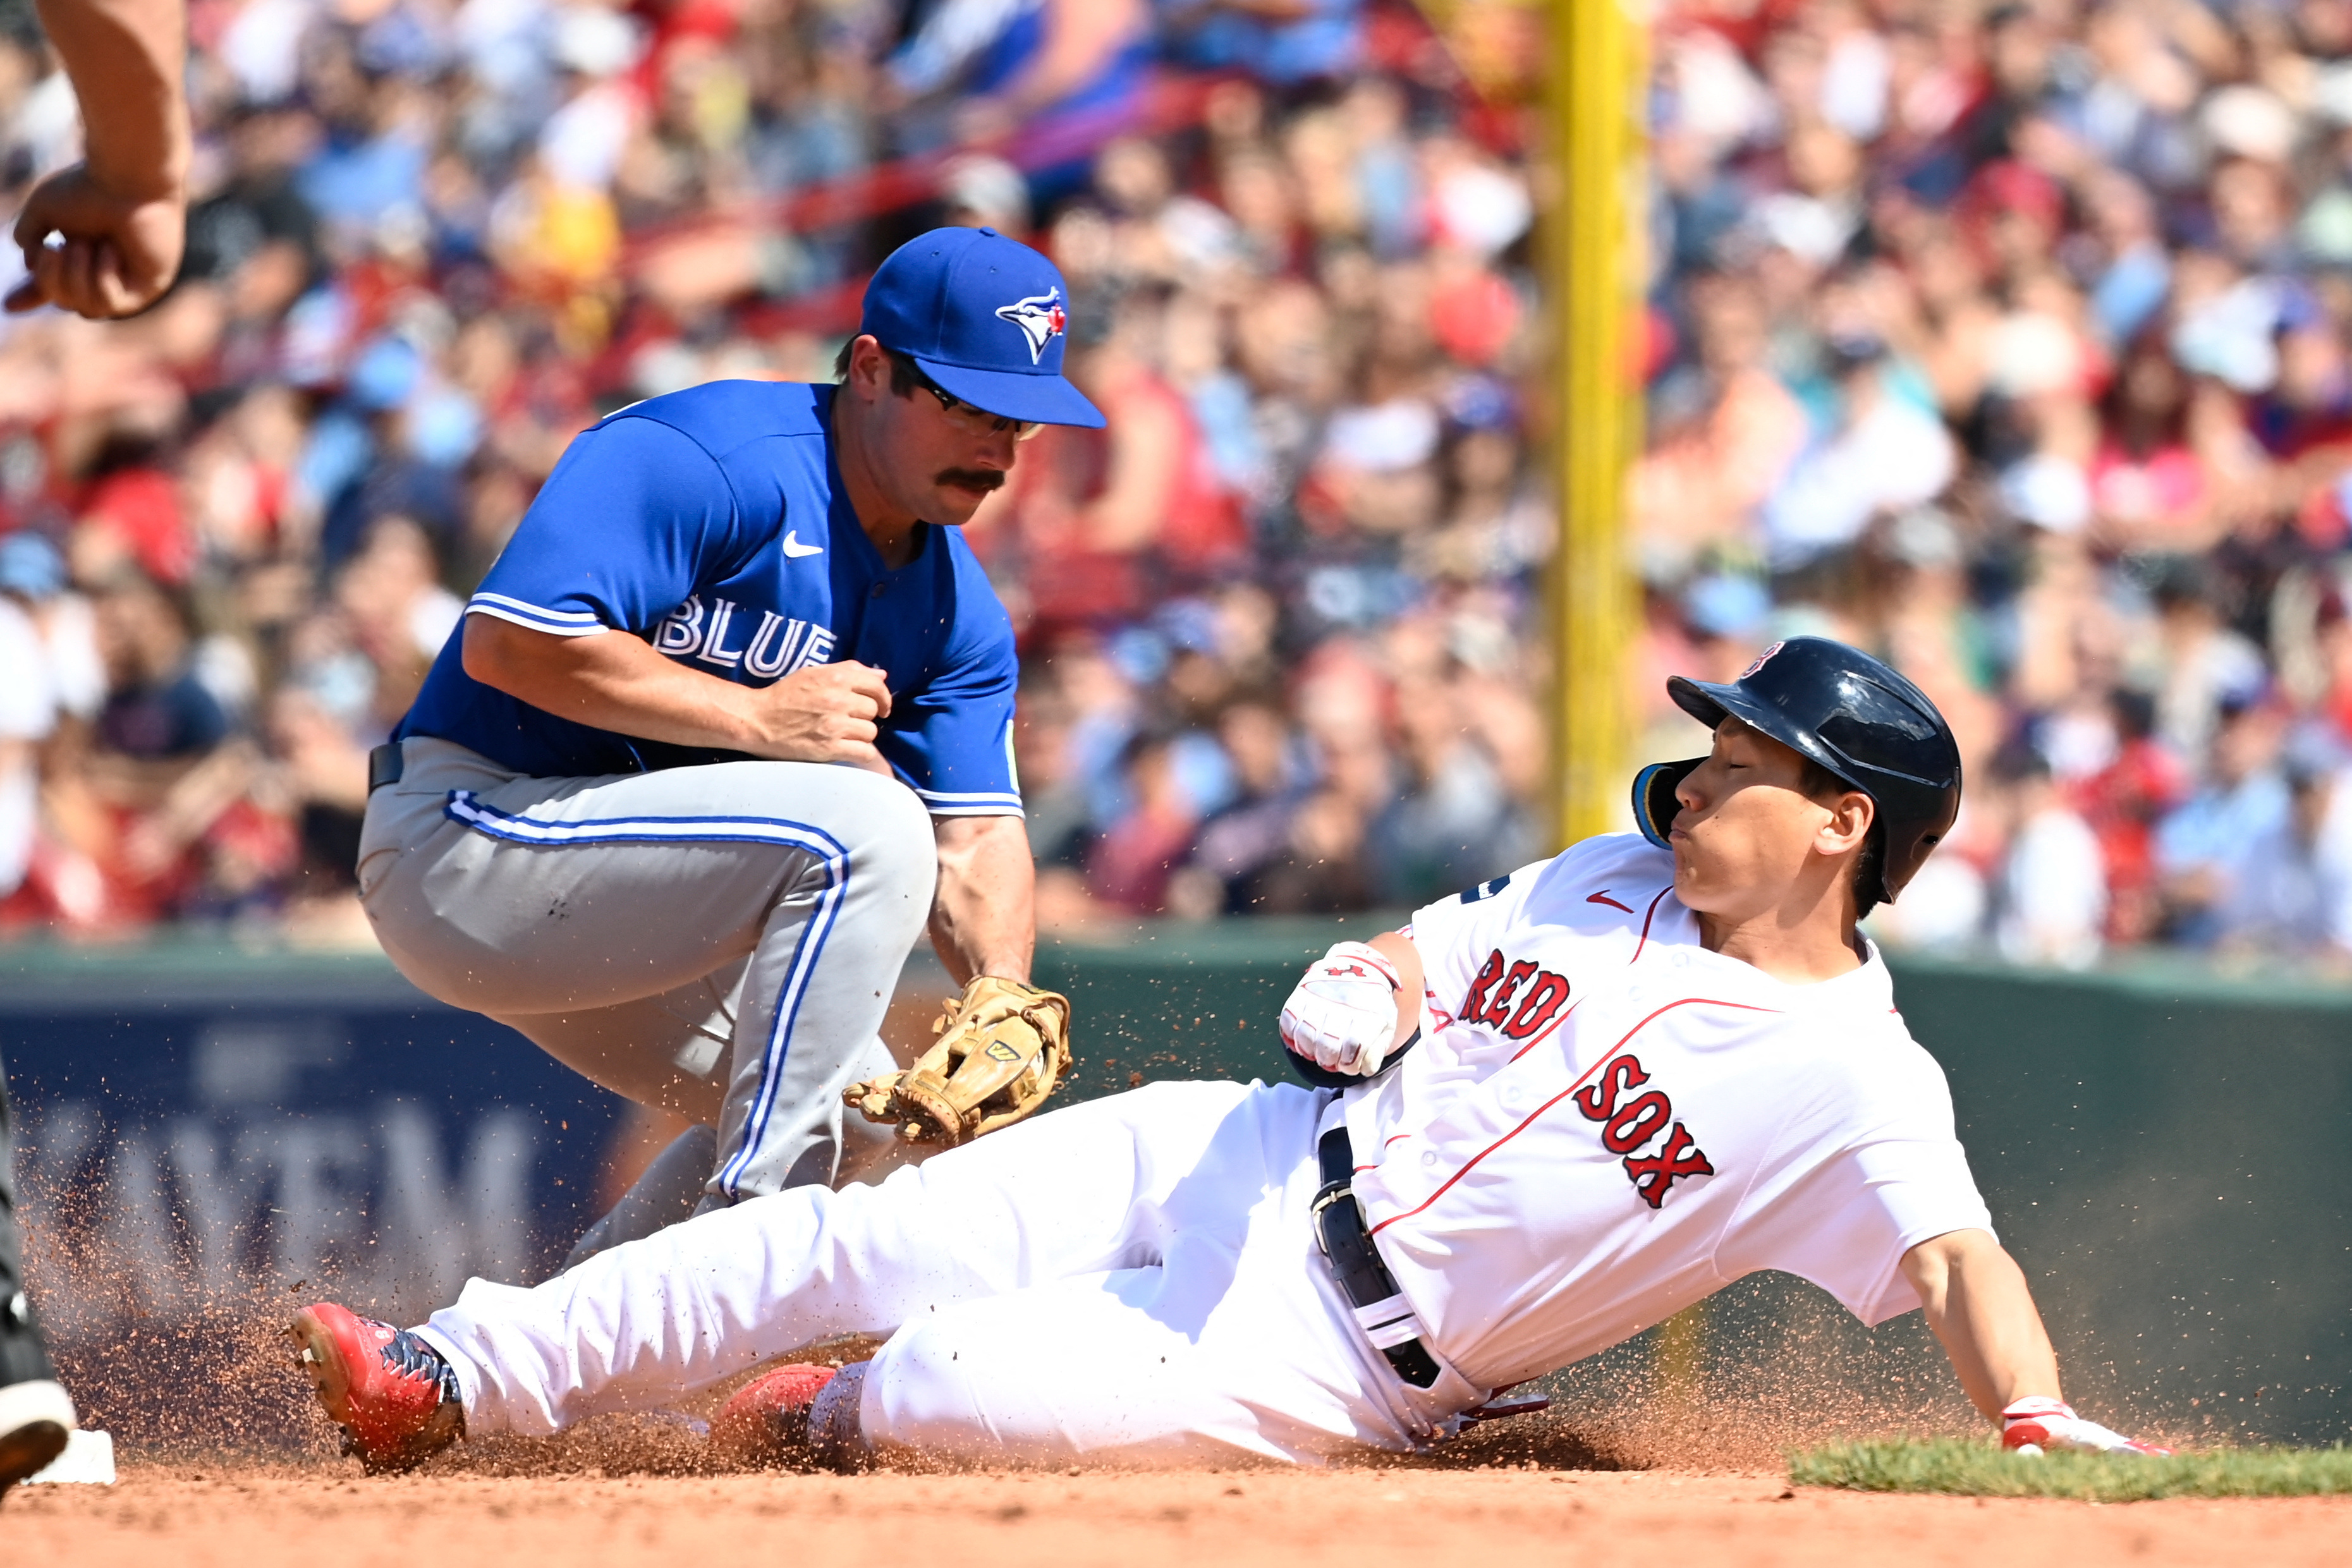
(1040, 317)
(1761, 659)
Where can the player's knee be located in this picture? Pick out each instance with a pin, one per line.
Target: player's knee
(894, 845)
(905, 813)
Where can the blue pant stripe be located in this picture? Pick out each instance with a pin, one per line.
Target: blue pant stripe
(831, 856)
(788, 1009)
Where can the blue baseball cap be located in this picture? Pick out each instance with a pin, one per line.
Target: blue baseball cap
(983, 316)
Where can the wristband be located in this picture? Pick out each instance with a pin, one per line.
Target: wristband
(1364, 953)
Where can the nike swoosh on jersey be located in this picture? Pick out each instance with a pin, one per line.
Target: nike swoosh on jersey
(1603, 897)
(795, 549)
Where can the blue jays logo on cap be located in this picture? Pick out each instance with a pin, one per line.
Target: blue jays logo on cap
(984, 317)
(1040, 317)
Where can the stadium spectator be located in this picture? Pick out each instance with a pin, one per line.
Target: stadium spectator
(2124, 782)
(2201, 846)
(2293, 893)
(2051, 903)
(1726, 430)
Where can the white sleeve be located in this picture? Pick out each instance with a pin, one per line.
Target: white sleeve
(1453, 934)
(1843, 1217)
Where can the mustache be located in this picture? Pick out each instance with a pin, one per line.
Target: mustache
(983, 479)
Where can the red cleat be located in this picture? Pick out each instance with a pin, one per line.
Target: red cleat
(766, 1425)
(394, 1397)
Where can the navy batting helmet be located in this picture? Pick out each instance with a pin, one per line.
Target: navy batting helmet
(1838, 707)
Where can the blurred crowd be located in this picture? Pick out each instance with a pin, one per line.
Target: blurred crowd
(432, 240)
(2009, 342)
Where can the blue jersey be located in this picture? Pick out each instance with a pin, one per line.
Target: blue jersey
(712, 523)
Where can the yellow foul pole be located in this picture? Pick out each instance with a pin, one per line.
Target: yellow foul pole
(1593, 246)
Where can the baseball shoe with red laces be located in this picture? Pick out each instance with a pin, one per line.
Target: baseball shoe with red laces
(394, 1397)
(786, 1419)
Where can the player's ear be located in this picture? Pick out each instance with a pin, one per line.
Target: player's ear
(1851, 815)
(869, 365)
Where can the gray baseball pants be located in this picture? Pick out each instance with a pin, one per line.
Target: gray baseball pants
(723, 941)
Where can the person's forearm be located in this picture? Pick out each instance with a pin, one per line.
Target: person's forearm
(983, 916)
(127, 59)
(1398, 948)
(609, 681)
(1977, 1301)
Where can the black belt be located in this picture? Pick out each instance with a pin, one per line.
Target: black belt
(1356, 1264)
(384, 766)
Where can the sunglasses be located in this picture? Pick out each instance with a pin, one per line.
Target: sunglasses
(976, 421)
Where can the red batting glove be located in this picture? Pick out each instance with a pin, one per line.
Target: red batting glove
(2038, 1423)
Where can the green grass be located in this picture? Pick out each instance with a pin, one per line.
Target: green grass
(1981, 1469)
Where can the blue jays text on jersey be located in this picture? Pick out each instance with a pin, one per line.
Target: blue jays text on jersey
(779, 647)
(712, 523)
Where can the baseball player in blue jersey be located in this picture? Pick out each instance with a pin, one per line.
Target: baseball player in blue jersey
(729, 722)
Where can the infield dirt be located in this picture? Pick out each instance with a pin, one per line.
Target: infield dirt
(329, 1516)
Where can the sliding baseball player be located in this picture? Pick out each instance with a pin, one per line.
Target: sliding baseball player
(1578, 1099)
(729, 722)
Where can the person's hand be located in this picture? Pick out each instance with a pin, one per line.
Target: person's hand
(2038, 1424)
(826, 713)
(118, 251)
(1343, 1015)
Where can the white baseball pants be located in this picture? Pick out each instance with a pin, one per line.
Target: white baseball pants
(722, 940)
(1132, 1277)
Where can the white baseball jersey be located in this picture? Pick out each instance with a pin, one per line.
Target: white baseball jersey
(1604, 1123)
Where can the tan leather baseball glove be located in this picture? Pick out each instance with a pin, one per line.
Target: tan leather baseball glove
(1002, 1049)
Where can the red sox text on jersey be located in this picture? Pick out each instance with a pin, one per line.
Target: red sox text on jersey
(1522, 1000)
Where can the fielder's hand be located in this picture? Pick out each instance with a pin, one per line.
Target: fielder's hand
(118, 251)
(2039, 1423)
(1002, 1047)
(1343, 1015)
(826, 713)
